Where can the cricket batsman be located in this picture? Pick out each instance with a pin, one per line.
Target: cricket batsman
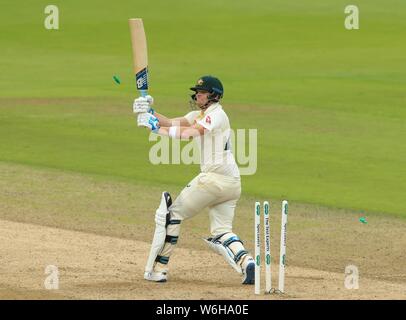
(217, 187)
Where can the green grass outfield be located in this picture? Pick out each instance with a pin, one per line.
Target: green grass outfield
(329, 104)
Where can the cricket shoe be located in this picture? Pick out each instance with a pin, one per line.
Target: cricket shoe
(157, 276)
(248, 273)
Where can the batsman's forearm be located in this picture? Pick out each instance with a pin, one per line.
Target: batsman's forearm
(163, 121)
(184, 133)
(168, 122)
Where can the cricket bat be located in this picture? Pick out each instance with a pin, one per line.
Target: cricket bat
(140, 56)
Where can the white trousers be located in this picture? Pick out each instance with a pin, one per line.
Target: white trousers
(209, 190)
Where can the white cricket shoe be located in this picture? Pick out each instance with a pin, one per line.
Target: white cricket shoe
(157, 276)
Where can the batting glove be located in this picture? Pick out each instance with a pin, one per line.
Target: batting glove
(143, 104)
(150, 99)
(149, 121)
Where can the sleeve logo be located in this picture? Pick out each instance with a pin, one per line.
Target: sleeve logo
(208, 120)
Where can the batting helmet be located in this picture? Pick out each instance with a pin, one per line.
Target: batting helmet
(210, 84)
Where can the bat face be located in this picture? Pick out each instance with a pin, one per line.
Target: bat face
(140, 56)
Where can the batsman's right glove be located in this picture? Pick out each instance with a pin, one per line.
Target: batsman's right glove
(149, 121)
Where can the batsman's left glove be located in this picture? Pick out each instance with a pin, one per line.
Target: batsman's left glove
(143, 104)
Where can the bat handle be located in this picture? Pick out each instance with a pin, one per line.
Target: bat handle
(143, 93)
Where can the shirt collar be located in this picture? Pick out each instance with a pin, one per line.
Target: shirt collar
(212, 107)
